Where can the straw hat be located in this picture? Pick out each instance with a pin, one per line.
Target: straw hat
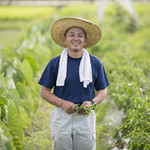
(60, 26)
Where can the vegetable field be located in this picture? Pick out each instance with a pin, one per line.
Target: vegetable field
(25, 49)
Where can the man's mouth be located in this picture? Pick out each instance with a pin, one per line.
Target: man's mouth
(75, 43)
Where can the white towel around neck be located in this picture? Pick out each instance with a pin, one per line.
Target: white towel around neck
(85, 70)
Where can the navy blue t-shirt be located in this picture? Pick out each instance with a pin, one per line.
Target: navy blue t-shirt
(73, 89)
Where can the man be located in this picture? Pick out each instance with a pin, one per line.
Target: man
(74, 75)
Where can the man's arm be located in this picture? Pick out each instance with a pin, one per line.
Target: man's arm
(99, 97)
(51, 98)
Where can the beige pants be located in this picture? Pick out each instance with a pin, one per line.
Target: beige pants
(72, 132)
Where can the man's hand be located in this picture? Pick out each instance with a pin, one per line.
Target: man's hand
(85, 109)
(87, 103)
(68, 106)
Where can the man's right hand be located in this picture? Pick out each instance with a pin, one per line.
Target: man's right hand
(68, 106)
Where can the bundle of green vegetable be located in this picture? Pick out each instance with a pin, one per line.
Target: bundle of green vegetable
(84, 110)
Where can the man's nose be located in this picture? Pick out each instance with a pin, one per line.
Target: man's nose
(76, 38)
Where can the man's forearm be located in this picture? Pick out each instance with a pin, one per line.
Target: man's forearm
(47, 95)
(100, 95)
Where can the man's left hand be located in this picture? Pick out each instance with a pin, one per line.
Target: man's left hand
(87, 103)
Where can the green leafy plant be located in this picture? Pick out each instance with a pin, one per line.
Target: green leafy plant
(84, 110)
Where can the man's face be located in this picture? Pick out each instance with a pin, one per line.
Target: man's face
(75, 39)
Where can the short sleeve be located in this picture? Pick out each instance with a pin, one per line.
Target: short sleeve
(48, 78)
(101, 80)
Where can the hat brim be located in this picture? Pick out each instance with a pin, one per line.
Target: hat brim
(59, 28)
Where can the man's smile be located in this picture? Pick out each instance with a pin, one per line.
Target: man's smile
(75, 43)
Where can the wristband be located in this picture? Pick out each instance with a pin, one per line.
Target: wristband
(93, 103)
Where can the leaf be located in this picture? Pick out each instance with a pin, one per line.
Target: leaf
(16, 140)
(4, 142)
(33, 63)
(28, 102)
(3, 103)
(24, 117)
(82, 110)
(21, 89)
(27, 71)
(11, 84)
(16, 97)
(14, 124)
(10, 71)
(7, 133)
(18, 76)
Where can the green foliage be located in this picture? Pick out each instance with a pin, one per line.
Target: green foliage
(3, 104)
(128, 73)
(19, 93)
(82, 110)
(16, 18)
(79, 11)
(103, 127)
(24, 13)
(14, 121)
(27, 71)
(136, 125)
(11, 120)
(4, 142)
